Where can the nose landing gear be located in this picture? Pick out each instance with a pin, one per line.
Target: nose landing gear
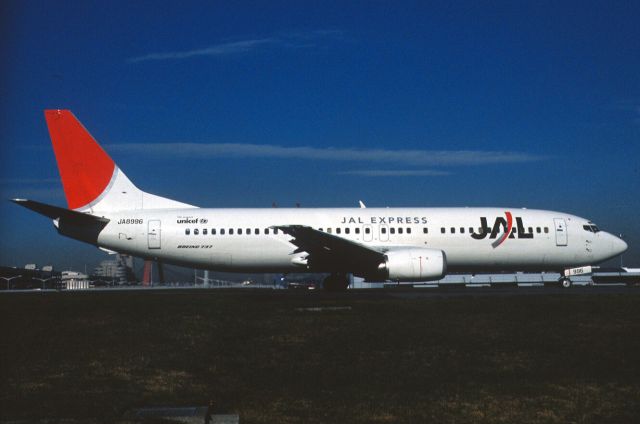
(565, 282)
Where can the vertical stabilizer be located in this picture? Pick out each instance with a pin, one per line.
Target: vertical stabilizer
(92, 181)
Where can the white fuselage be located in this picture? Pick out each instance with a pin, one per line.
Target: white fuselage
(244, 239)
(106, 209)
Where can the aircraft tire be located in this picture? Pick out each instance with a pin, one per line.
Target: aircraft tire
(565, 283)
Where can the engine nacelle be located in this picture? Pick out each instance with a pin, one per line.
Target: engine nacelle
(415, 264)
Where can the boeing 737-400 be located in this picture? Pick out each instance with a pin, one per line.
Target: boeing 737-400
(393, 244)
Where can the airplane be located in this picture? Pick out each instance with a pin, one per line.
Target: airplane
(105, 209)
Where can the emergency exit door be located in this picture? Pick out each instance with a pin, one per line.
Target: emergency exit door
(561, 231)
(153, 234)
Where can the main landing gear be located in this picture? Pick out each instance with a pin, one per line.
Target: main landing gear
(336, 282)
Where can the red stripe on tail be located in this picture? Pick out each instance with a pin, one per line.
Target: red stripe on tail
(85, 169)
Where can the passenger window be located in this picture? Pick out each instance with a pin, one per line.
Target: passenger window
(453, 230)
(546, 230)
(461, 230)
(425, 230)
(230, 231)
(400, 230)
(346, 230)
(408, 230)
(239, 231)
(196, 232)
(383, 230)
(329, 230)
(367, 230)
(530, 229)
(221, 231)
(187, 231)
(256, 231)
(213, 231)
(392, 230)
(266, 231)
(471, 230)
(442, 230)
(275, 231)
(204, 231)
(358, 230)
(338, 230)
(538, 230)
(320, 229)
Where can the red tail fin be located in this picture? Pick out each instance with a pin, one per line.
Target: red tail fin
(85, 168)
(92, 182)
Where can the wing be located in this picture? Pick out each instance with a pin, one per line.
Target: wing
(329, 253)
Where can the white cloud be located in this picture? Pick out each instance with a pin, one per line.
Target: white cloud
(407, 157)
(31, 188)
(30, 181)
(290, 40)
(395, 173)
(215, 50)
(34, 193)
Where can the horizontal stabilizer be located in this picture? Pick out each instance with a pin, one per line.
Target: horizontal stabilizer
(77, 225)
(56, 212)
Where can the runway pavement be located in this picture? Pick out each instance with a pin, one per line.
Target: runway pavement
(392, 292)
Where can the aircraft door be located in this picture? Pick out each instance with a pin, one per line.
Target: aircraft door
(153, 234)
(367, 233)
(384, 232)
(561, 231)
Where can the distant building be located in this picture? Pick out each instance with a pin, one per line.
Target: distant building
(119, 270)
(74, 280)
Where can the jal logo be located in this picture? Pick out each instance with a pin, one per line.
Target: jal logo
(502, 226)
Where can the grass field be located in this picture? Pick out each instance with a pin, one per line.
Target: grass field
(490, 359)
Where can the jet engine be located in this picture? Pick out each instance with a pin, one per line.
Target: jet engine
(414, 264)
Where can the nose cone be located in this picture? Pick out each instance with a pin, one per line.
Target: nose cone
(618, 246)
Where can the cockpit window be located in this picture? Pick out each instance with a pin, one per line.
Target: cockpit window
(591, 227)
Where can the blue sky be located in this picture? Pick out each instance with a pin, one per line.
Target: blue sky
(514, 104)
